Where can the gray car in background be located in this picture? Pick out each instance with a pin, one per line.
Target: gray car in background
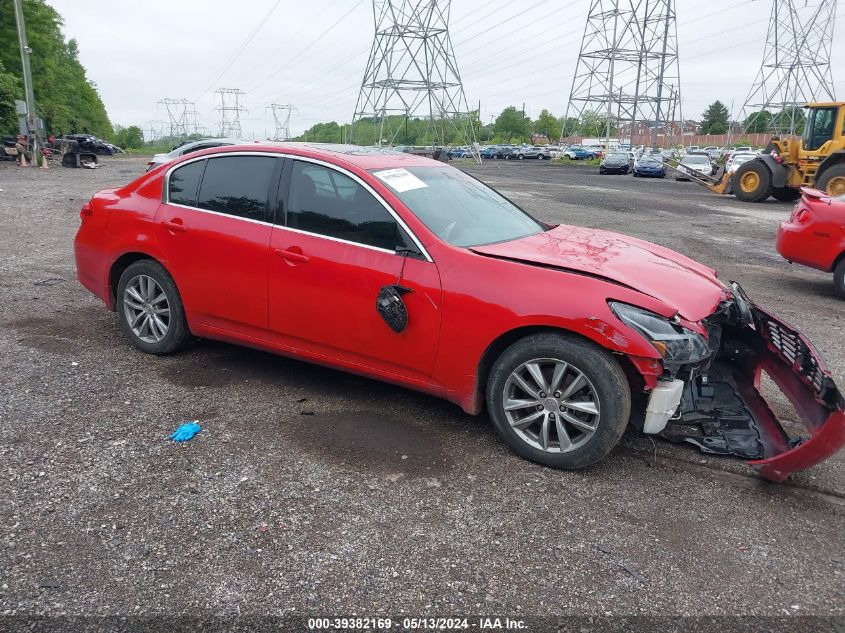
(187, 148)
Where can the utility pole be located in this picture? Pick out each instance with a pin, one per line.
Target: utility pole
(628, 59)
(412, 72)
(29, 94)
(281, 120)
(230, 110)
(796, 64)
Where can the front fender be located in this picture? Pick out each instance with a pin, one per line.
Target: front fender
(779, 173)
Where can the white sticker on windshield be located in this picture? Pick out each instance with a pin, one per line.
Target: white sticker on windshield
(401, 180)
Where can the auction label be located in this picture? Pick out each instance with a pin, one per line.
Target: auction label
(417, 624)
(400, 180)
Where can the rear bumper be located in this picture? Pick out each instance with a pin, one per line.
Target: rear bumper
(725, 408)
(798, 244)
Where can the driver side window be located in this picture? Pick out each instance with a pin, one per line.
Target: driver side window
(325, 202)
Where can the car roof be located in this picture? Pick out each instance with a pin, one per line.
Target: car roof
(357, 155)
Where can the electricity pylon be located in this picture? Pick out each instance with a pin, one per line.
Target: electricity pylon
(177, 113)
(281, 119)
(412, 73)
(230, 110)
(627, 73)
(796, 64)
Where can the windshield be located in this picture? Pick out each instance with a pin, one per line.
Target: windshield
(696, 160)
(617, 156)
(457, 208)
(652, 159)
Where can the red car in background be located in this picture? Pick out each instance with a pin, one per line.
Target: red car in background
(410, 271)
(814, 235)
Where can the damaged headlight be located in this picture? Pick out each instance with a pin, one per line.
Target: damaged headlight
(677, 345)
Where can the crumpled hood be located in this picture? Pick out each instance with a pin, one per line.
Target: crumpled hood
(681, 283)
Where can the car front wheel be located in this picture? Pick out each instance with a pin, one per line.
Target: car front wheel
(150, 309)
(558, 400)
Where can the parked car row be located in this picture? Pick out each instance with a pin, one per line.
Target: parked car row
(638, 164)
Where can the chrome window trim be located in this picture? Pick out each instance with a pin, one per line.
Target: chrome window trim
(307, 159)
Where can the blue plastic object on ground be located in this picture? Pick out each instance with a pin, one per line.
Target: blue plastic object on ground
(185, 432)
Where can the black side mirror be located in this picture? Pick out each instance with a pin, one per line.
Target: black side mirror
(391, 307)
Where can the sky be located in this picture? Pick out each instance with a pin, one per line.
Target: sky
(313, 54)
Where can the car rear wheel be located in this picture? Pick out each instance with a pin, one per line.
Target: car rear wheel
(558, 401)
(521, 157)
(753, 181)
(839, 278)
(150, 309)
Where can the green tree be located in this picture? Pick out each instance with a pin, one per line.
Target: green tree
(758, 122)
(549, 125)
(65, 98)
(783, 120)
(512, 125)
(594, 124)
(715, 119)
(128, 137)
(9, 90)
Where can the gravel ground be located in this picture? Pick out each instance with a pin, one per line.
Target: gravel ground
(313, 492)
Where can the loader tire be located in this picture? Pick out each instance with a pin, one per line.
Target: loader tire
(832, 181)
(752, 182)
(786, 194)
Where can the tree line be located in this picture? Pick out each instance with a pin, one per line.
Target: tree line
(66, 99)
(514, 126)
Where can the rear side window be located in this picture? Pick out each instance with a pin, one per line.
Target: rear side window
(326, 202)
(238, 186)
(184, 182)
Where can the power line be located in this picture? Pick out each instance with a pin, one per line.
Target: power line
(241, 49)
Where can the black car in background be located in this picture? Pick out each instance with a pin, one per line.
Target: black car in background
(614, 163)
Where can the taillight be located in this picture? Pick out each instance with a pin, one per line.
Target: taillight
(800, 216)
(86, 211)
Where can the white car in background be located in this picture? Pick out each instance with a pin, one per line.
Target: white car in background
(736, 159)
(187, 148)
(699, 163)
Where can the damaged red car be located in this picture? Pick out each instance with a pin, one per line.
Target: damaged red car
(407, 270)
(814, 235)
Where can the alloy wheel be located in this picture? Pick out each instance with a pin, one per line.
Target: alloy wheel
(146, 309)
(551, 405)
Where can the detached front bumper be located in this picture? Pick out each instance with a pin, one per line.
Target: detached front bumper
(724, 409)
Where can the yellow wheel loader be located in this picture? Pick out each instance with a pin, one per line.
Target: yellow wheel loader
(816, 160)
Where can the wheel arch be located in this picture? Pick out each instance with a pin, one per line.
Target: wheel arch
(506, 339)
(120, 265)
(835, 158)
(777, 170)
(837, 260)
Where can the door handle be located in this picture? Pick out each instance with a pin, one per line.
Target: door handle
(292, 256)
(175, 226)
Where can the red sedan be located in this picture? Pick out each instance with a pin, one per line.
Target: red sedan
(814, 235)
(407, 270)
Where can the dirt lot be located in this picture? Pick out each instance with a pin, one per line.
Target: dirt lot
(384, 501)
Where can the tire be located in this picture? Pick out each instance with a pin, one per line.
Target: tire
(832, 180)
(602, 379)
(753, 181)
(521, 157)
(147, 336)
(540, 157)
(602, 171)
(839, 278)
(786, 194)
(635, 174)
